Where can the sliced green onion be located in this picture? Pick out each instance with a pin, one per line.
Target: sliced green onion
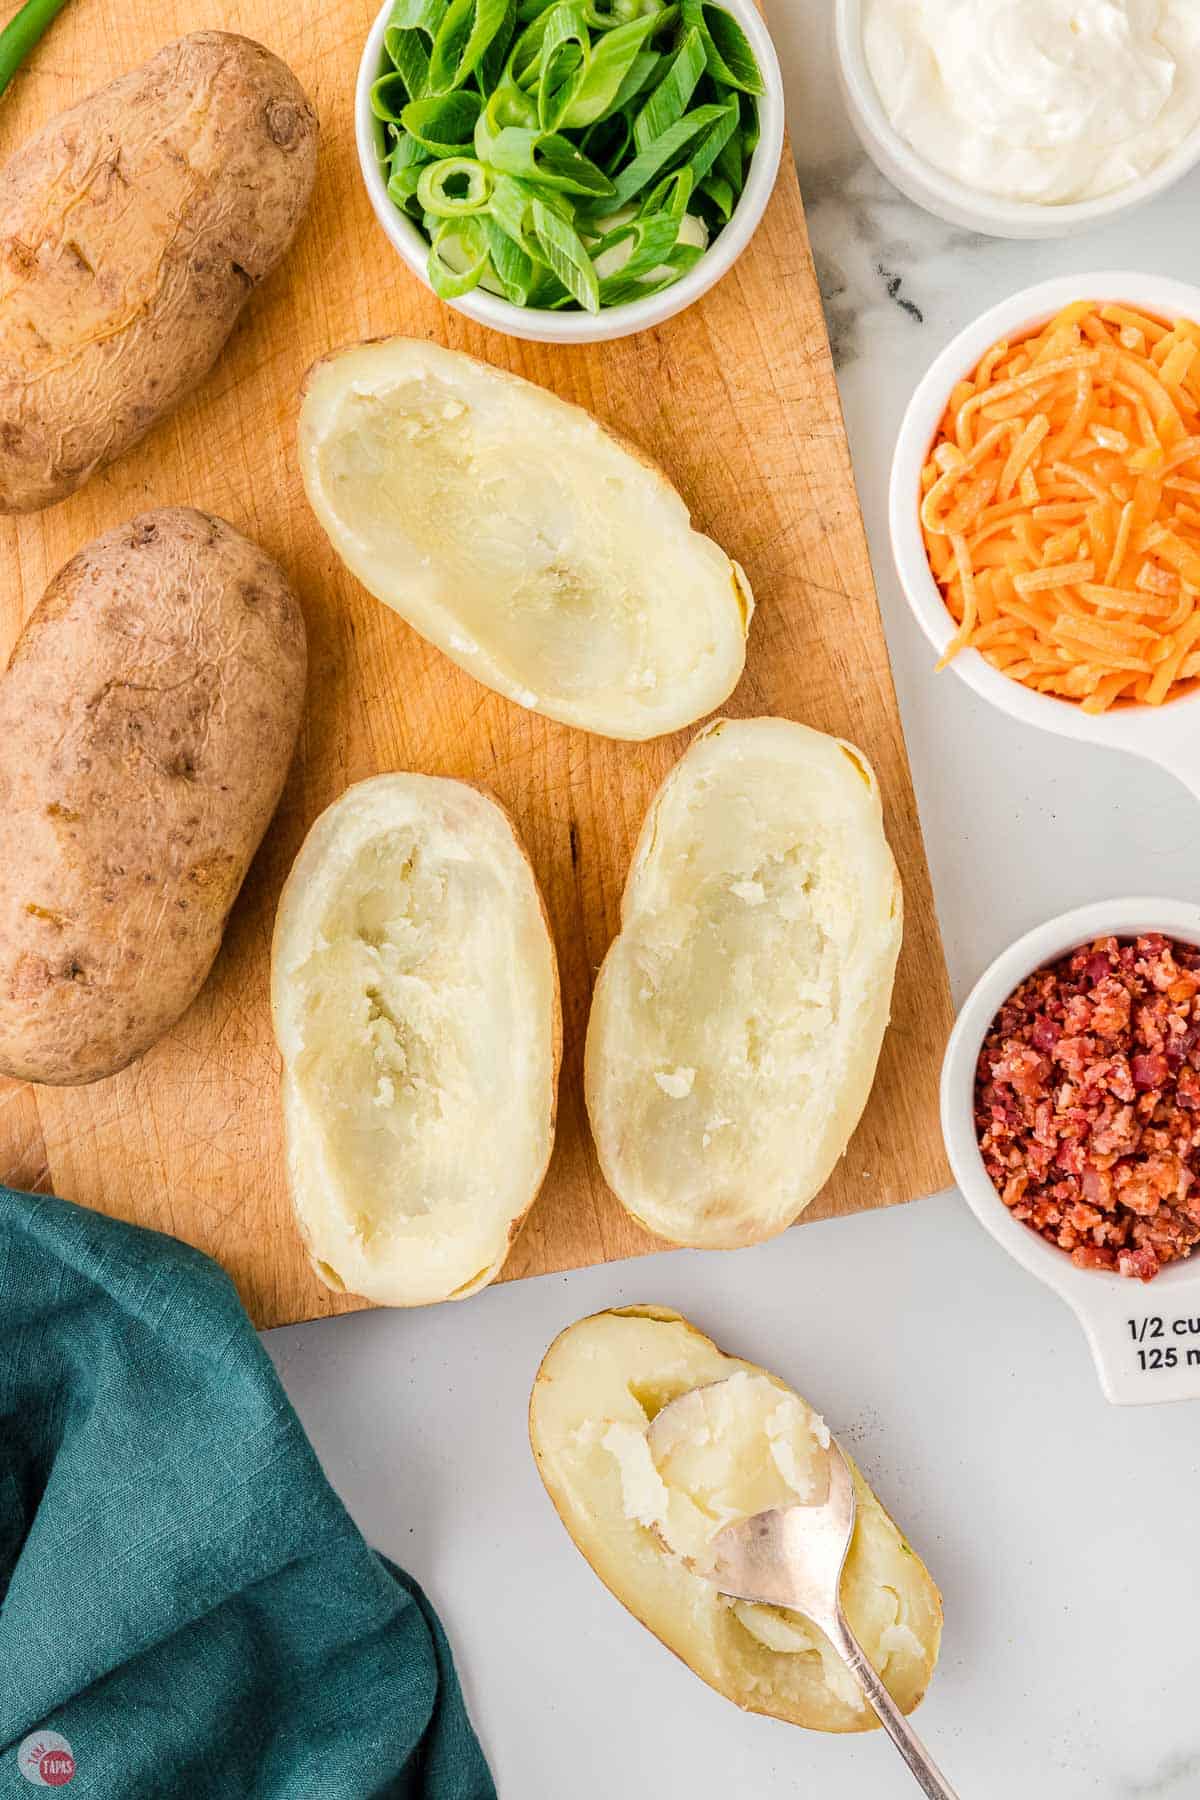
(507, 106)
(513, 271)
(465, 34)
(564, 47)
(389, 97)
(443, 124)
(622, 11)
(458, 258)
(719, 191)
(549, 159)
(564, 254)
(434, 194)
(605, 65)
(723, 136)
(524, 58)
(607, 142)
(671, 194)
(408, 40)
(642, 72)
(730, 158)
(651, 240)
(727, 48)
(407, 160)
(670, 98)
(23, 32)
(656, 156)
(618, 290)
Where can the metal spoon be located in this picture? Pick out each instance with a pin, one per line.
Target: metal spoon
(793, 1556)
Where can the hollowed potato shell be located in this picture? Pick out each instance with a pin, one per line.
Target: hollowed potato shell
(626, 1365)
(737, 1018)
(508, 527)
(415, 999)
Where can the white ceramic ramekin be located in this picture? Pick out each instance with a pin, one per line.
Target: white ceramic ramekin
(1168, 735)
(1144, 1336)
(954, 200)
(613, 322)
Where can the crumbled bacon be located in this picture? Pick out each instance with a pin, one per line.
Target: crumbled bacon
(1087, 1103)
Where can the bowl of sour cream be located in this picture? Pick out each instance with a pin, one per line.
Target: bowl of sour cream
(1024, 118)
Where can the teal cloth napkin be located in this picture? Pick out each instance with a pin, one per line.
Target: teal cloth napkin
(183, 1598)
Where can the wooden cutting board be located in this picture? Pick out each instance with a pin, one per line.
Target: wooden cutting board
(736, 398)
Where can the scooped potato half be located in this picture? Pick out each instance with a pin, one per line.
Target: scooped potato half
(415, 997)
(737, 1018)
(147, 720)
(510, 529)
(642, 1495)
(134, 227)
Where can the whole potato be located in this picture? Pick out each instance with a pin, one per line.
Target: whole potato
(132, 228)
(147, 720)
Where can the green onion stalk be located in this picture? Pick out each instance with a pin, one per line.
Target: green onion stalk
(23, 32)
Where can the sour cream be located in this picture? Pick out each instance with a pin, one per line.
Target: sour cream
(1049, 101)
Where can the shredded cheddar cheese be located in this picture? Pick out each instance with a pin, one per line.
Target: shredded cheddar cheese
(1060, 507)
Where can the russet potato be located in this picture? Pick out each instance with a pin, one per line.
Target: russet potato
(132, 229)
(147, 720)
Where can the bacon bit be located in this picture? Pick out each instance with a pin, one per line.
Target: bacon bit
(1075, 1053)
(1087, 1101)
(1097, 1185)
(1187, 1089)
(1141, 1265)
(1116, 1132)
(1091, 1256)
(1149, 1071)
(1111, 1014)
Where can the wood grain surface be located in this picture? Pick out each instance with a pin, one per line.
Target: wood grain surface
(736, 398)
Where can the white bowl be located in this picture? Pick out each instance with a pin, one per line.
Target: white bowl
(1168, 735)
(953, 200)
(613, 322)
(1144, 1336)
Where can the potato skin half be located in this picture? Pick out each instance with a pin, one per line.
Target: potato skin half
(147, 720)
(132, 229)
(327, 1205)
(589, 1530)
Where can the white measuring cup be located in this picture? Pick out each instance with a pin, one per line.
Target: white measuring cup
(1168, 735)
(1144, 1336)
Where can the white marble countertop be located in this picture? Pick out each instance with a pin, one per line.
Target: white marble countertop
(1059, 1528)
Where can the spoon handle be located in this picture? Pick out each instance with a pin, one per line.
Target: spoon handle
(929, 1778)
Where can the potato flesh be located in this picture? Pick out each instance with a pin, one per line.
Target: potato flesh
(521, 538)
(736, 912)
(722, 1453)
(562, 601)
(409, 1002)
(642, 1507)
(726, 1021)
(415, 1010)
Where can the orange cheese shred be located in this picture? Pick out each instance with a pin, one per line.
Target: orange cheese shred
(1056, 508)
